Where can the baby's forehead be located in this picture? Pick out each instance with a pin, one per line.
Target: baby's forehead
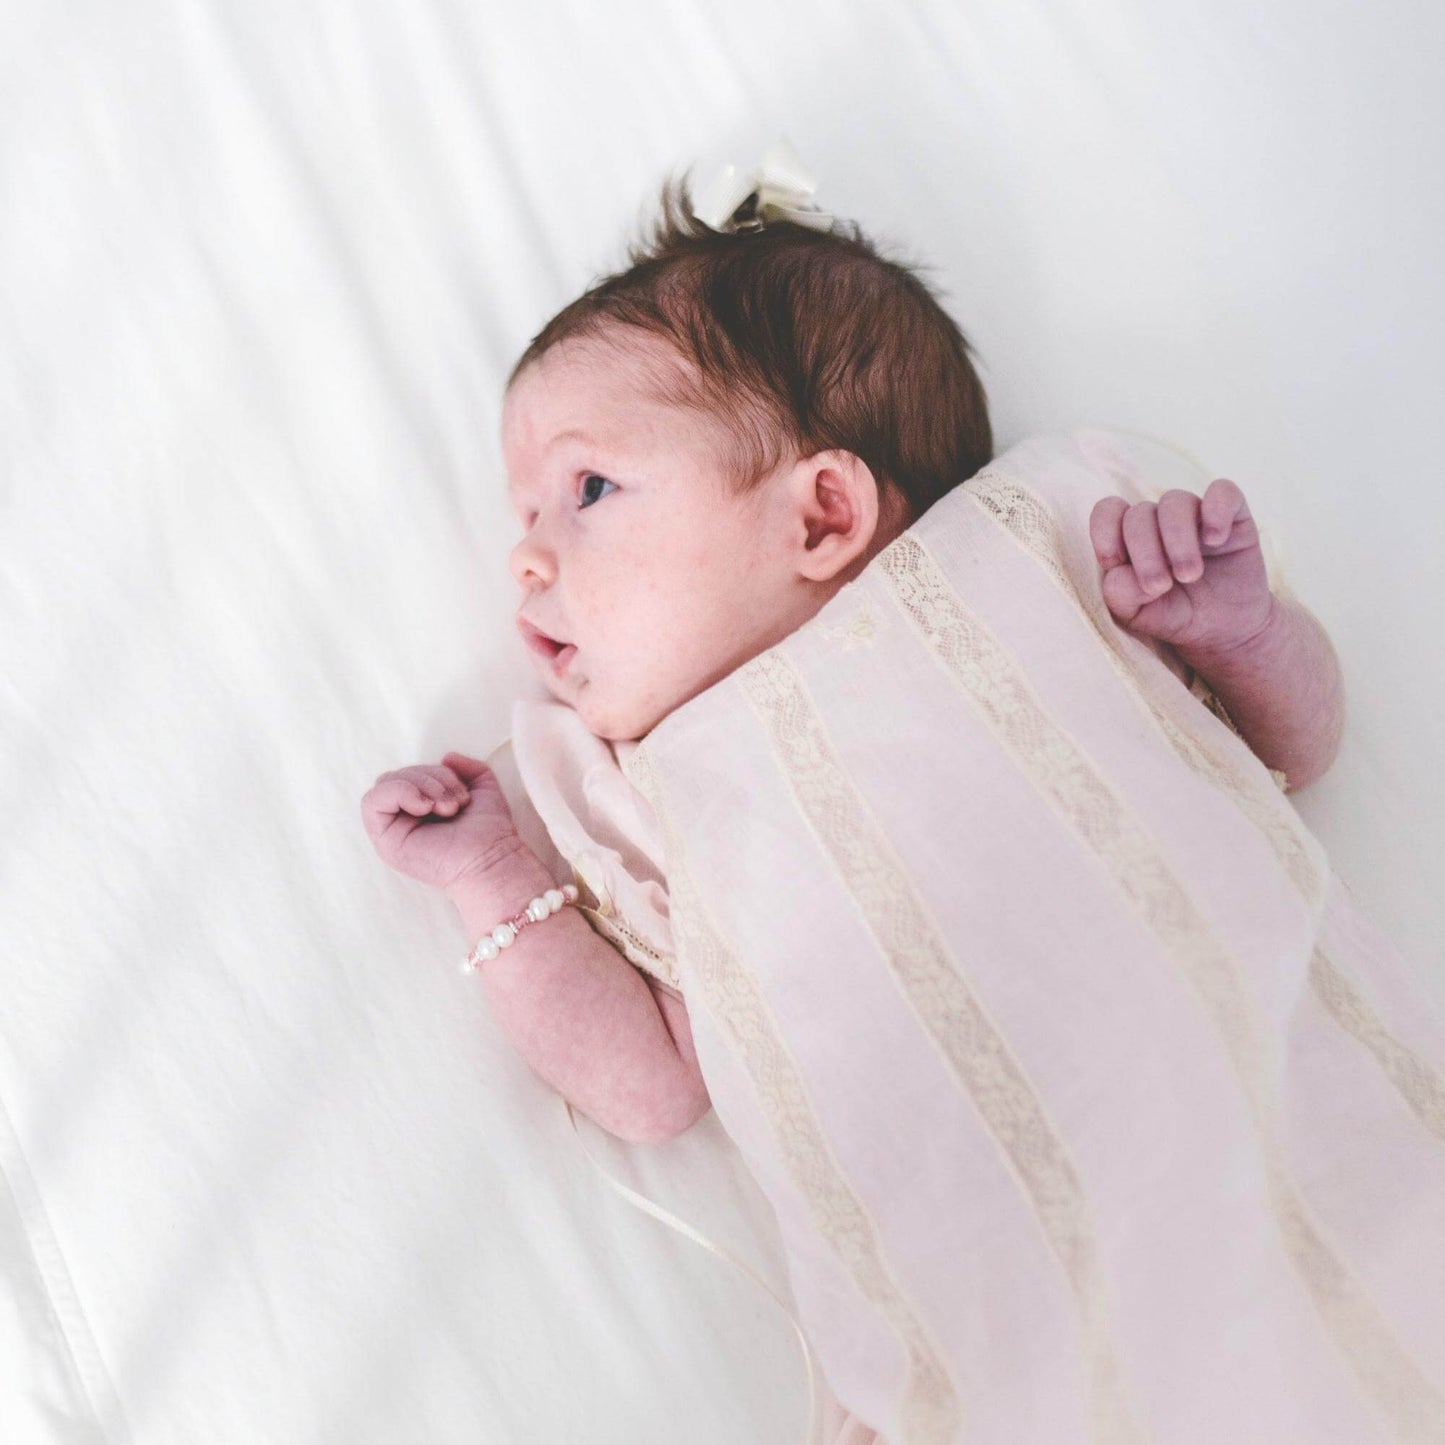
(591, 389)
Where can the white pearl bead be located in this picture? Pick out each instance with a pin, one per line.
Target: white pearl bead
(487, 948)
(554, 898)
(569, 892)
(466, 965)
(504, 933)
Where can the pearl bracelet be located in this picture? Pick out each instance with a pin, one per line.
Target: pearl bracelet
(543, 906)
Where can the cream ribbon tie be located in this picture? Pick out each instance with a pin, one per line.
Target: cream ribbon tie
(783, 188)
(683, 1228)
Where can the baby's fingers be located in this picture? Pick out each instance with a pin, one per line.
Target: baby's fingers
(1223, 503)
(445, 788)
(461, 765)
(1106, 530)
(386, 799)
(1178, 516)
(413, 790)
(1146, 548)
(424, 796)
(404, 795)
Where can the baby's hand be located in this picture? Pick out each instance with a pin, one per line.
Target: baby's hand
(473, 829)
(1185, 571)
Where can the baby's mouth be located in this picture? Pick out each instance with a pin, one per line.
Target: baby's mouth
(558, 653)
(538, 640)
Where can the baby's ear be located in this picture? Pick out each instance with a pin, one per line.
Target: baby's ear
(839, 506)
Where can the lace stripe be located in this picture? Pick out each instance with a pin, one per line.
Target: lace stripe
(1028, 520)
(1417, 1085)
(1063, 776)
(933, 982)
(931, 1409)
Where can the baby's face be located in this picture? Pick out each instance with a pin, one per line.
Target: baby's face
(634, 553)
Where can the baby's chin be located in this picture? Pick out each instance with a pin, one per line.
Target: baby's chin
(613, 722)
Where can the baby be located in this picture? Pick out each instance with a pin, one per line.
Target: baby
(701, 451)
(1066, 1159)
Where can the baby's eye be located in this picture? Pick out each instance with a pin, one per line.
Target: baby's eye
(593, 477)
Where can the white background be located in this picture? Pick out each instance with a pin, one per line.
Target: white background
(273, 1173)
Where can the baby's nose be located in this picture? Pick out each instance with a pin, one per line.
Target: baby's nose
(530, 565)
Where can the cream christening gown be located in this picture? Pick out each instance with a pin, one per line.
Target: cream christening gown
(1176, 1180)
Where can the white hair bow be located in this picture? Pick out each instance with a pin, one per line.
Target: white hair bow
(781, 185)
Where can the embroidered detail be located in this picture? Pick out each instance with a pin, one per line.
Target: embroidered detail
(732, 996)
(935, 985)
(860, 632)
(1063, 775)
(602, 914)
(636, 949)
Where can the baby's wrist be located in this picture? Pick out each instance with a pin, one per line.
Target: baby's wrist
(502, 892)
(500, 884)
(1241, 653)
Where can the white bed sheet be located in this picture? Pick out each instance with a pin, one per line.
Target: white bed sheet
(268, 1169)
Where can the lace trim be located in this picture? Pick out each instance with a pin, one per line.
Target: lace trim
(1420, 1088)
(734, 1000)
(934, 983)
(1359, 1332)
(630, 943)
(1010, 503)
(1032, 525)
(1356, 1327)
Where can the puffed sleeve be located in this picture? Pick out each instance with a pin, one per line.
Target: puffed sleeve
(602, 830)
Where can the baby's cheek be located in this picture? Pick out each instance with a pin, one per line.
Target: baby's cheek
(622, 718)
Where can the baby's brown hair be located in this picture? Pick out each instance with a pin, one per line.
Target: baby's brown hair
(797, 341)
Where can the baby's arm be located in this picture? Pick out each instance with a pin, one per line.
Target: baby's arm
(1284, 690)
(1189, 571)
(580, 1014)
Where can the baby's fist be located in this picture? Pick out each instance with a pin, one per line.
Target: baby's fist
(1186, 570)
(440, 824)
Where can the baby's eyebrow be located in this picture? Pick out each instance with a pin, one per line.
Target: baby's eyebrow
(571, 434)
